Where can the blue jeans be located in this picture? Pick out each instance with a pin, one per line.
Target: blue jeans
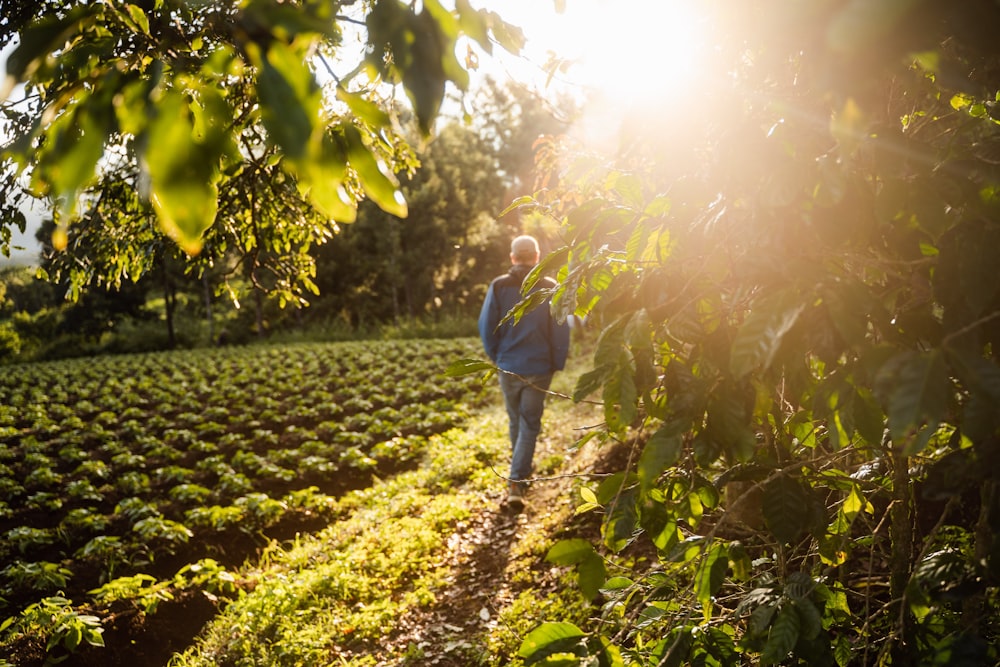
(524, 397)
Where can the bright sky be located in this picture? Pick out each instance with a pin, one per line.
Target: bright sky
(622, 47)
(622, 54)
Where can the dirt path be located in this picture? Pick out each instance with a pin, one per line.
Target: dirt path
(489, 557)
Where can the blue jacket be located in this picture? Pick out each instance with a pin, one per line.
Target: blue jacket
(537, 345)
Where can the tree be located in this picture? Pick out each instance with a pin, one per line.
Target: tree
(441, 257)
(798, 319)
(192, 103)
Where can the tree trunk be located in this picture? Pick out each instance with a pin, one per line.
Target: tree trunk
(208, 307)
(169, 301)
(259, 304)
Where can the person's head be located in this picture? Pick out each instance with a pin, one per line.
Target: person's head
(524, 250)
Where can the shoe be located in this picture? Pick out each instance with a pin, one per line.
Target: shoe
(515, 496)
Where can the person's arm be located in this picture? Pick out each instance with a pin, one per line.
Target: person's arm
(488, 320)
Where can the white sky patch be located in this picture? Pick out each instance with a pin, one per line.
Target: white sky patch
(618, 54)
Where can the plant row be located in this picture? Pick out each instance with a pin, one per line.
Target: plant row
(113, 468)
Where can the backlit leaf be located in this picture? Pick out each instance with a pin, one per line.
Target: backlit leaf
(182, 174)
(138, 17)
(549, 638)
(473, 24)
(321, 179)
(570, 552)
(467, 367)
(289, 99)
(710, 576)
(382, 189)
(364, 109)
(41, 38)
(79, 146)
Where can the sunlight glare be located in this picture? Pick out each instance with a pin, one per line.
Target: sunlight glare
(639, 49)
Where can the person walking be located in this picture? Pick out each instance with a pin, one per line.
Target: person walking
(527, 354)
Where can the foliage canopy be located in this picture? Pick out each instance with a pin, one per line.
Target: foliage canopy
(798, 324)
(210, 123)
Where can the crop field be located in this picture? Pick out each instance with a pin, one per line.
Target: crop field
(127, 478)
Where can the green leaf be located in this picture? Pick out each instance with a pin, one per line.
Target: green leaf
(449, 30)
(73, 637)
(366, 110)
(551, 261)
(182, 173)
(810, 620)
(782, 637)
(760, 336)
(710, 576)
(549, 638)
(621, 398)
(621, 520)
(617, 584)
(843, 651)
(473, 23)
(799, 585)
(761, 617)
(591, 576)
(978, 374)
(739, 561)
(674, 649)
(287, 21)
(590, 382)
(321, 179)
(508, 35)
(661, 452)
(72, 164)
(629, 187)
(855, 503)
(638, 242)
(290, 105)
(785, 507)
(728, 424)
(868, 418)
(525, 201)
(467, 367)
(138, 17)
(383, 190)
(570, 552)
(919, 399)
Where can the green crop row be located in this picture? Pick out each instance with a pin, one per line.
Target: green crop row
(118, 467)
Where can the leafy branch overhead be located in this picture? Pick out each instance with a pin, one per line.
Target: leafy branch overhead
(195, 94)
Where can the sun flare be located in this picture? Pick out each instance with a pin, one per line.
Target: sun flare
(637, 49)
